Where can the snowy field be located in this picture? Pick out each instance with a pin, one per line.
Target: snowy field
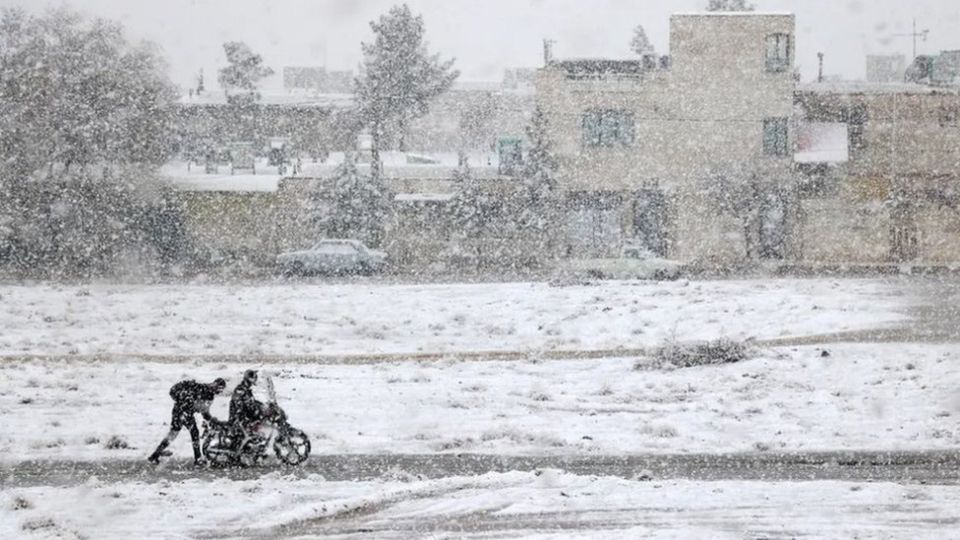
(543, 504)
(78, 384)
(873, 397)
(366, 319)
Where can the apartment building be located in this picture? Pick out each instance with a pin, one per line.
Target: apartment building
(895, 198)
(645, 145)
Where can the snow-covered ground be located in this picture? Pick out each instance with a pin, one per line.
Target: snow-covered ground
(874, 397)
(77, 383)
(544, 504)
(363, 319)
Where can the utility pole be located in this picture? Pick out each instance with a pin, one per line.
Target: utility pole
(820, 73)
(915, 34)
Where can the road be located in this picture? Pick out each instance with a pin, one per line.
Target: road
(934, 467)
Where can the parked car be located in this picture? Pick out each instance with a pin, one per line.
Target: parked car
(333, 257)
(633, 262)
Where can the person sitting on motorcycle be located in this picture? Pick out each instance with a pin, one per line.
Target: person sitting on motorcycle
(189, 398)
(244, 407)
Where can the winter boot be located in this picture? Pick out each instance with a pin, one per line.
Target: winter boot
(198, 458)
(160, 451)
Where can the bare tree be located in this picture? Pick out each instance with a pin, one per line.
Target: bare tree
(759, 207)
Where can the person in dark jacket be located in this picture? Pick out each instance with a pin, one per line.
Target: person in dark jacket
(189, 398)
(244, 408)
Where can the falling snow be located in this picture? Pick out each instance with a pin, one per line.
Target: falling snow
(479, 269)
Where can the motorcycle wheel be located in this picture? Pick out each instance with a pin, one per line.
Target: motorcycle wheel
(218, 449)
(292, 447)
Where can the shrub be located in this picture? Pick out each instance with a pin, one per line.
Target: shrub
(684, 355)
(116, 443)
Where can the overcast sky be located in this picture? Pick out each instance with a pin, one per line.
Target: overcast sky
(487, 35)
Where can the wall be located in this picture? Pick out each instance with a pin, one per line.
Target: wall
(231, 225)
(844, 230)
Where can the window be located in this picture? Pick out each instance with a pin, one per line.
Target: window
(775, 137)
(608, 127)
(335, 248)
(778, 52)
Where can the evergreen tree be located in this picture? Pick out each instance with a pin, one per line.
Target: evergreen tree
(537, 202)
(361, 205)
(469, 211)
(540, 169)
(729, 5)
(640, 44)
(399, 77)
(240, 79)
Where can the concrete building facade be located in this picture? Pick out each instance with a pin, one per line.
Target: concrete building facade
(643, 145)
(896, 198)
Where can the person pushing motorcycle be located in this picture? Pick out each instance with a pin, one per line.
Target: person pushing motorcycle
(189, 398)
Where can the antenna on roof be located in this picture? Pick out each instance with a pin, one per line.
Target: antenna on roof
(921, 34)
(548, 51)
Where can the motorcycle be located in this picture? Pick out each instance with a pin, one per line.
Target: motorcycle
(227, 445)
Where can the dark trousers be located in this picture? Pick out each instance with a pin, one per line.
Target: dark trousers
(180, 418)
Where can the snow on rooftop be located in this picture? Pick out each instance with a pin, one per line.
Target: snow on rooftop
(411, 166)
(194, 179)
(861, 87)
(240, 183)
(822, 142)
(288, 99)
(734, 14)
(396, 166)
(424, 197)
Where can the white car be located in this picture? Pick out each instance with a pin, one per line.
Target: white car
(333, 257)
(633, 263)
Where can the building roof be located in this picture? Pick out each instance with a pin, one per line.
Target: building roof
(733, 14)
(424, 197)
(859, 87)
(240, 183)
(587, 67)
(395, 167)
(288, 99)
